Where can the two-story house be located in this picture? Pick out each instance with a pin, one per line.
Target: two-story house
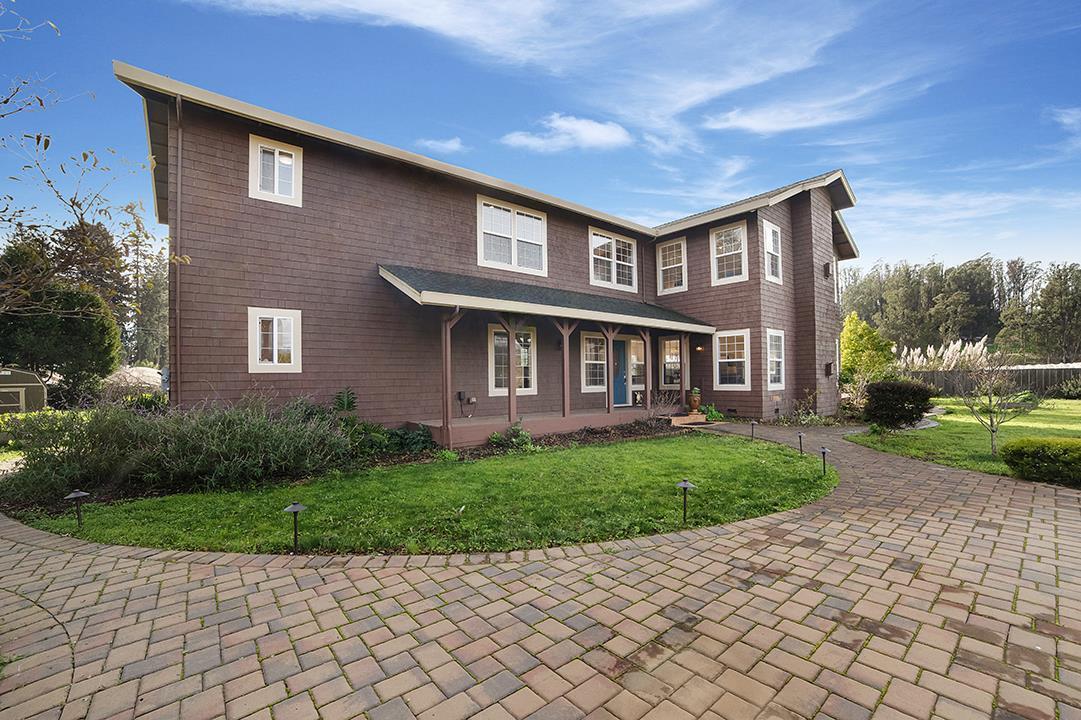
(443, 296)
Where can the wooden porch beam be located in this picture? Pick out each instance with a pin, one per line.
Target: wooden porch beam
(511, 325)
(566, 328)
(446, 325)
(610, 332)
(646, 342)
(684, 351)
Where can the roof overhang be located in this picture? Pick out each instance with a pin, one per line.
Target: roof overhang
(144, 82)
(843, 243)
(477, 302)
(835, 183)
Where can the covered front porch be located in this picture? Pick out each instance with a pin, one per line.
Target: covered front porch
(577, 359)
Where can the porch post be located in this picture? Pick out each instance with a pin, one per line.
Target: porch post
(644, 332)
(566, 327)
(684, 349)
(511, 326)
(447, 324)
(610, 332)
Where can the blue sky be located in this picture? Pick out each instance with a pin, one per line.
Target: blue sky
(959, 124)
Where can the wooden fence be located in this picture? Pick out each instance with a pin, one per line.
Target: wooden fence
(1037, 378)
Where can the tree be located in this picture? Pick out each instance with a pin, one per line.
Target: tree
(1058, 315)
(863, 350)
(1020, 282)
(908, 293)
(22, 94)
(968, 307)
(990, 390)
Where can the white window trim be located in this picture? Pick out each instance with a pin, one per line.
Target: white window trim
(682, 242)
(582, 363)
(746, 333)
(836, 282)
(784, 364)
(493, 391)
(660, 361)
(713, 232)
(254, 143)
(779, 277)
(513, 265)
(254, 366)
(633, 287)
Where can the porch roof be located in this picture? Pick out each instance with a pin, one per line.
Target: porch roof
(432, 287)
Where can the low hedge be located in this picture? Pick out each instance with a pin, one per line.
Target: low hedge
(1055, 460)
(895, 403)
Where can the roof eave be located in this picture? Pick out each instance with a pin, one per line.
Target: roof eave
(842, 238)
(140, 79)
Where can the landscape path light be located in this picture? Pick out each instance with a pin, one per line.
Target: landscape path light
(295, 508)
(825, 451)
(800, 434)
(685, 486)
(78, 495)
(753, 423)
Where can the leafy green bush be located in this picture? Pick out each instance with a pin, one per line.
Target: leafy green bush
(116, 451)
(147, 401)
(1056, 460)
(1067, 389)
(515, 438)
(895, 403)
(712, 413)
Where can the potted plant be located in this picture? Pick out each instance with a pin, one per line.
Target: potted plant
(694, 400)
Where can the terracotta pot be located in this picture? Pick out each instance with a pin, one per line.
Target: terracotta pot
(694, 401)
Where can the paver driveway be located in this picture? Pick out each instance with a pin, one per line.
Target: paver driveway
(913, 590)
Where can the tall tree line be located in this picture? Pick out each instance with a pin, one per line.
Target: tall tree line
(1024, 307)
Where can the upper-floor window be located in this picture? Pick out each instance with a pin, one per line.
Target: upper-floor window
(613, 261)
(672, 266)
(511, 237)
(275, 171)
(771, 236)
(728, 253)
(775, 359)
(500, 355)
(273, 340)
(732, 360)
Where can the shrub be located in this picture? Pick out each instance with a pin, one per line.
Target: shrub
(116, 451)
(895, 403)
(1056, 460)
(406, 440)
(515, 438)
(1067, 390)
(712, 413)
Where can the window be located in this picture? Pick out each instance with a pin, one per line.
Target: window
(771, 236)
(525, 361)
(511, 237)
(731, 360)
(613, 261)
(273, 340)
(274, 171)
(728, 253)
(774, 359)
(670, 365)
(637, 350)
(594, 363)
(672, 266)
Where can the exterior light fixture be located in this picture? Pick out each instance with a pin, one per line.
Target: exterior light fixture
(295, 508)
(78, 495)
(800, 442)
(753, 424)
(685, 486)
(825, 451)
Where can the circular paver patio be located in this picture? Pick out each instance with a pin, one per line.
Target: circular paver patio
(913, 590)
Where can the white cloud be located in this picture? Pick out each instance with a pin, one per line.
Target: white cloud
(566, 132)
(443, 147)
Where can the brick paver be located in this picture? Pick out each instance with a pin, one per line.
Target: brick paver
(913, 591)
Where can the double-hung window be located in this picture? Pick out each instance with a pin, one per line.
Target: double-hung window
(728, 253)
(275, 171)
(613, 261)
(511, 237)
(594, 363)
(731, 360)
(500, 355)
(670, 363)
(672, 266)
(774, 359)
(771, 236)
(273, 340)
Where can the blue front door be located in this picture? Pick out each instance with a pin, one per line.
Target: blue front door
(619, 381)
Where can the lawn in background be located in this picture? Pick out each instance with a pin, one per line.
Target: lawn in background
(961, 441)
(530, 500)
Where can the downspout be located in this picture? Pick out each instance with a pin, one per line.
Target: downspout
(175, 379)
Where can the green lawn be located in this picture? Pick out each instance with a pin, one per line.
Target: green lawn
(542, 499)
(961, 441)
(9, 454)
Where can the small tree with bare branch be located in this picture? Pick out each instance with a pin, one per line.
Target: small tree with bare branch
(990, 390)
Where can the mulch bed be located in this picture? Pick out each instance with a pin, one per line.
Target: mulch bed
(637, 430)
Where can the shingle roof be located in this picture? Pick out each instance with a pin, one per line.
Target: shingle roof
(432, 287)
